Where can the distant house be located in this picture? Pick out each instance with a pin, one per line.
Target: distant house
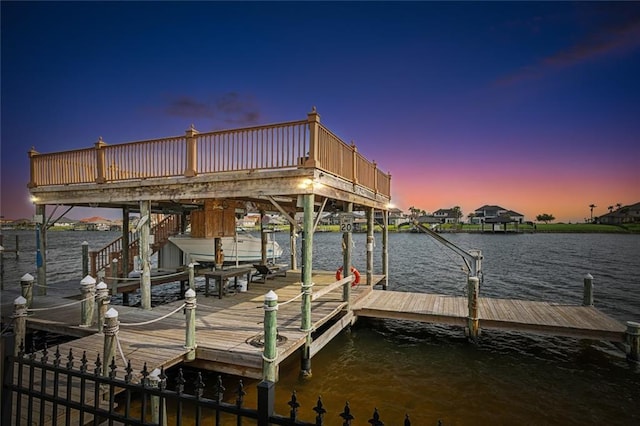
(447, 215)
(94, 223)
(625, 214)
(496, 214)
(396, 217)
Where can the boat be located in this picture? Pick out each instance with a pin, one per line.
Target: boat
(244, 247)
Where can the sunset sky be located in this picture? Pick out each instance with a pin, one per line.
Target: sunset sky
(531, 106)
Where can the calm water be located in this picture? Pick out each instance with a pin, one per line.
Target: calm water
(432, 372)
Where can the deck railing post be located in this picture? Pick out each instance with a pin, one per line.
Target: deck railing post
(85, 258)
(111, 328)
(587, 298)
(270, 351)
(100, 161)
(26, 286)
(473, 327)
(192, 152)
(633, 339)
(33, 181)
(190, 337)
(19, 322)
(354, 162)
(313, 118)
(103, 299)
(157, 404)
(88, 291)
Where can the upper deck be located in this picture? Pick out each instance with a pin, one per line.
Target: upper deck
(260, 164)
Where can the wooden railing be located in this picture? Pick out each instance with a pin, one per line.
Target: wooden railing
(304, 143)
(102, 258)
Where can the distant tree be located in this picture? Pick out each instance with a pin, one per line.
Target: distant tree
(592, 206)
(545, 217)
(618, 206)
(610, 208)
(457, 214)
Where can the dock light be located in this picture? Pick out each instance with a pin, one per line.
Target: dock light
(33, 199)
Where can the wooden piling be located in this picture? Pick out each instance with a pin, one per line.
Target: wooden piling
(114, 276)
(41, 249)
(633, 340)
(103, 299)
(347, 244)
(473, 288)
(26, 287)
(145, 254)
(111, 328)
(192, 277)
(156, 408)
(370, 225)
(19, 322)
(385, 249)
(190, 311)
(587, 298)
(85, 258)
(270, 351)
(88, 291)
(307, 284)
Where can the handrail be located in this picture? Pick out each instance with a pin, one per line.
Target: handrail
(294, 144)
(331, 287)
(102, 258)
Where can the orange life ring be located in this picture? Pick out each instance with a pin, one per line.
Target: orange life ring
(354, 272)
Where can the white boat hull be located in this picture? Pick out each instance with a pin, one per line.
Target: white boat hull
(246, 248)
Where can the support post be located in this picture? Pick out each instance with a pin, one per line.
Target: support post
(292, 245)
(111, 328)
(19, 323)
(41, 250)
(26, 286)
(125, 242)
(145, 254)
(192, 277)
(587, 297)
(633, 339)
(85, 258)
(307, 284)
(270, 351)
(385, 249)
(88, 291)
(103, 299)
(114, 276)
(264, 220)
(157, 405)
(8, 343)
(190, 337)
(347, 244)
(473, 327)
(370, 225)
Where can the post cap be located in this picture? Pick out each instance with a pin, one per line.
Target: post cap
(101, 285)
(27, 277)
(271, 296)
(190, 293)
(155, 374)
(84, 243)
(1, 248)
(588, 276)
(111, 313)
(88, 280)
(20, 301)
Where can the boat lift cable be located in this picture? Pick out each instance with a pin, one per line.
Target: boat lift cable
(471, 258)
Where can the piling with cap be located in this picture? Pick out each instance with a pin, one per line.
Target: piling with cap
(103, 300)
(633, 340)
(190, 310)
(270, 351)
(26, 286)
(111, 328)
(85, 258)
(587, 298)
(88, 291)
(19, 322)
(158, 409)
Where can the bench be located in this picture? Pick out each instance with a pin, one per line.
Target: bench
(264, 272)
(130, 285)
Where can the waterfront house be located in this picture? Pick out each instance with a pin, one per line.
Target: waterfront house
(447, 215)
(625, 214)
(496, 214)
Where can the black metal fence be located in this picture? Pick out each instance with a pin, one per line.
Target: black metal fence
(52, 388)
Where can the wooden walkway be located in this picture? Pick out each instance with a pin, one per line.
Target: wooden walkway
(585, 322)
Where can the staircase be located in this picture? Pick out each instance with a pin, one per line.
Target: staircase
(102, 259)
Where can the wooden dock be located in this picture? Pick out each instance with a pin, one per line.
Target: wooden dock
(583, 322)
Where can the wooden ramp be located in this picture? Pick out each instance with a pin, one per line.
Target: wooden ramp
(585, 322)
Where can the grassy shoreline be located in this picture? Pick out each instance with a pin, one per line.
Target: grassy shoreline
(591, 228)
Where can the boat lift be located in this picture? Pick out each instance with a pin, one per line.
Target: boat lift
(471, 258)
